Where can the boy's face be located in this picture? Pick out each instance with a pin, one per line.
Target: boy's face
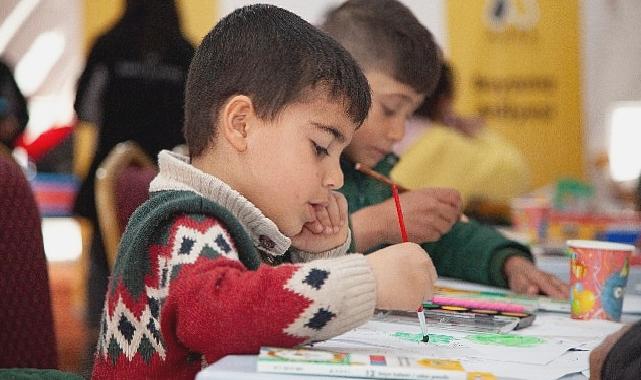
(393, 103)
(294, 161)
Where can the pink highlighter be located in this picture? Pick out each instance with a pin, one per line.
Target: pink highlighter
(479, 304)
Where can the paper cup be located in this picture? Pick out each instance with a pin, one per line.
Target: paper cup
(598, 275)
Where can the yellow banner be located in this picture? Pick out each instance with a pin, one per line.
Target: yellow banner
(517, 64)
(197, 18)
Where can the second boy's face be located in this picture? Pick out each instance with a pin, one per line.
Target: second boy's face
(295, 161)
(393, 103)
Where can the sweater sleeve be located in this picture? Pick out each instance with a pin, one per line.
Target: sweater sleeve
(473, 252)
(299, 256)
(216, 306)
(624, 359)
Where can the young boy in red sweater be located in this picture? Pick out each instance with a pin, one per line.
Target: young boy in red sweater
(243, 243)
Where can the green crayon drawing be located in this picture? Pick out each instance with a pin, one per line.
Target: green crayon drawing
(434, 338)
(509, 340)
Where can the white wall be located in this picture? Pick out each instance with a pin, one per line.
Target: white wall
(51, 101)
(611, 55)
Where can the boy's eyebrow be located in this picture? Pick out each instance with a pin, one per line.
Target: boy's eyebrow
(402, 96)
(331, 130)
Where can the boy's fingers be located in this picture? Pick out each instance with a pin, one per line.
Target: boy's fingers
(431, 234)
(550, 285)
(344, 212)
(449, 196)
(316, 227)
(323, 217)
(441, 225)
(519, 285)
(334, 213)
(562, 289)
(532, 290)
(449, 214)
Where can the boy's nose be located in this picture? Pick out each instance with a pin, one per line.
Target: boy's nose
(396, 131)
(334, 177)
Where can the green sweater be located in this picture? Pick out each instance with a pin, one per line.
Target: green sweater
(469, 251)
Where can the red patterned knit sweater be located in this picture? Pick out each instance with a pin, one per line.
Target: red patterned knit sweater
(189, 286)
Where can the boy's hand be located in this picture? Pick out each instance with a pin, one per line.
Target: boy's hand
(405, 276)
(525, 278)
(429, 213)
(330, 228)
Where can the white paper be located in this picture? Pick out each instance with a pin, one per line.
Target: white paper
(569, 362)
(388, 338)
(556, 325)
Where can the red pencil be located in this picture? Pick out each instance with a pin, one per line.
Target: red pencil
(401, 224)
(399, 213)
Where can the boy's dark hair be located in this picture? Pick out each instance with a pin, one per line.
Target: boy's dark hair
(385, 35)
(272, 56)
(444, 89)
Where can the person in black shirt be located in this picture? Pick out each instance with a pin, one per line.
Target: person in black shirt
(132, 88)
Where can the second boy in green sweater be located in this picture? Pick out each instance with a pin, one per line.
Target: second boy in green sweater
(402, 64)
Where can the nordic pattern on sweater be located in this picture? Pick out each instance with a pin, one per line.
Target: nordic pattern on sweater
(193, 296)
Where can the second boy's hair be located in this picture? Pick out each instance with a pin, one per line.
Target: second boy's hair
(385, 35)
(444, 89)
(274, 57)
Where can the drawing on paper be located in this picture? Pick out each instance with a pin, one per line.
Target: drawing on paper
(509, 340)
(434, 338)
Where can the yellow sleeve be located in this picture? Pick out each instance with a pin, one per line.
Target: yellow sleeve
(485, 166)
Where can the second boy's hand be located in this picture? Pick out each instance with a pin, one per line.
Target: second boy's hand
(330, 228)
(525, 278)
(429, 214)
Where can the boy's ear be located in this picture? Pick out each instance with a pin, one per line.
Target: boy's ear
(235, 118)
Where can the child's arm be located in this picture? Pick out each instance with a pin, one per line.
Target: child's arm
(478, 253)
(216, 306)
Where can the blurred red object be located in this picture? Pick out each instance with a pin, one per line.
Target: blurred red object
(46, 141)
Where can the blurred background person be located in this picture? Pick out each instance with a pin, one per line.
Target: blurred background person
(131, 89)
(444, 149)
(13, 108)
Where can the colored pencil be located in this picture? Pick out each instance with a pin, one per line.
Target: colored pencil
(378, 176)
(401, 224)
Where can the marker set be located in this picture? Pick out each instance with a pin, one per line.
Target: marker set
(459, 317)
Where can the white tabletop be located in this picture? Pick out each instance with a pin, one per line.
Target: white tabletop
(244, 366)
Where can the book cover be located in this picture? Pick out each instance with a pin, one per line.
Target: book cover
(306, 361)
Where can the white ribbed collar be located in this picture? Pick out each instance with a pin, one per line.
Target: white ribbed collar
(176, 173)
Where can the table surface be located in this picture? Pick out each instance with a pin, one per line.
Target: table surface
(244, 366)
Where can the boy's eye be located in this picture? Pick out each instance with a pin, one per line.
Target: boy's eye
(319, 150)
(389, 112)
